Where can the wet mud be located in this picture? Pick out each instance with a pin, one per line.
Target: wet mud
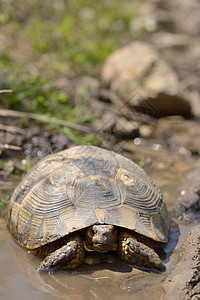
(116, 280)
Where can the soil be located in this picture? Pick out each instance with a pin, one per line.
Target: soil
(167, 148)
(116, 279)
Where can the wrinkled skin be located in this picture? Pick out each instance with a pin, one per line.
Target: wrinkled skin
(100, 238)
(103, 238)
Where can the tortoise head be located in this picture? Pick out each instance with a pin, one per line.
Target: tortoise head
(100, 238)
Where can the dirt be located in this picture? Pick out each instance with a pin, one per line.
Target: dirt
(184, 280)
(168, 150)
(173, 166)
(117, 280)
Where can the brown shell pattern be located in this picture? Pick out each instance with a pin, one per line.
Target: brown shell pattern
(82, 186)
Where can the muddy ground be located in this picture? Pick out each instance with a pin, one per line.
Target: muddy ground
(177, 176)
(167, 147)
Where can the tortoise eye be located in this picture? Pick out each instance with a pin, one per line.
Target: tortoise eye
(92, 231)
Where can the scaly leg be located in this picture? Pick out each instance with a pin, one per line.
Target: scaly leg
(68, 256)
(136, 253)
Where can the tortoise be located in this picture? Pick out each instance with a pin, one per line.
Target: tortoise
(87, 199)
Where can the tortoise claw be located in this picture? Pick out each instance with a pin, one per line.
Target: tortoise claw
(138, 254)
(68, 256)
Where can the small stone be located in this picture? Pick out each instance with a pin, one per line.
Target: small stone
(146, 131)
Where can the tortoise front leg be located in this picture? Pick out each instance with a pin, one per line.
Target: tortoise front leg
(136, 253)
(68, 256)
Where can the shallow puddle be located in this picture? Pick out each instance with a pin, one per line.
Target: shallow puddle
(19, 275)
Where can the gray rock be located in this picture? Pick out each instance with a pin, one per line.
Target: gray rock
(142, 79)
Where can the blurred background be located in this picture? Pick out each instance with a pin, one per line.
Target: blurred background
(45, 47)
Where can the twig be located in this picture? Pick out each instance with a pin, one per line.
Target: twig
(44, 119)
(11, 129)
(10, 147)
(5, 91)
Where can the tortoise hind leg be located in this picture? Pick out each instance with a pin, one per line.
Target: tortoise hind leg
(136, 253)
(68, 256)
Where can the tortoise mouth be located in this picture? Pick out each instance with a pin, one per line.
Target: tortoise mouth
(102, 248)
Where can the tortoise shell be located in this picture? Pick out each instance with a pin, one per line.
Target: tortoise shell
(82, 186)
